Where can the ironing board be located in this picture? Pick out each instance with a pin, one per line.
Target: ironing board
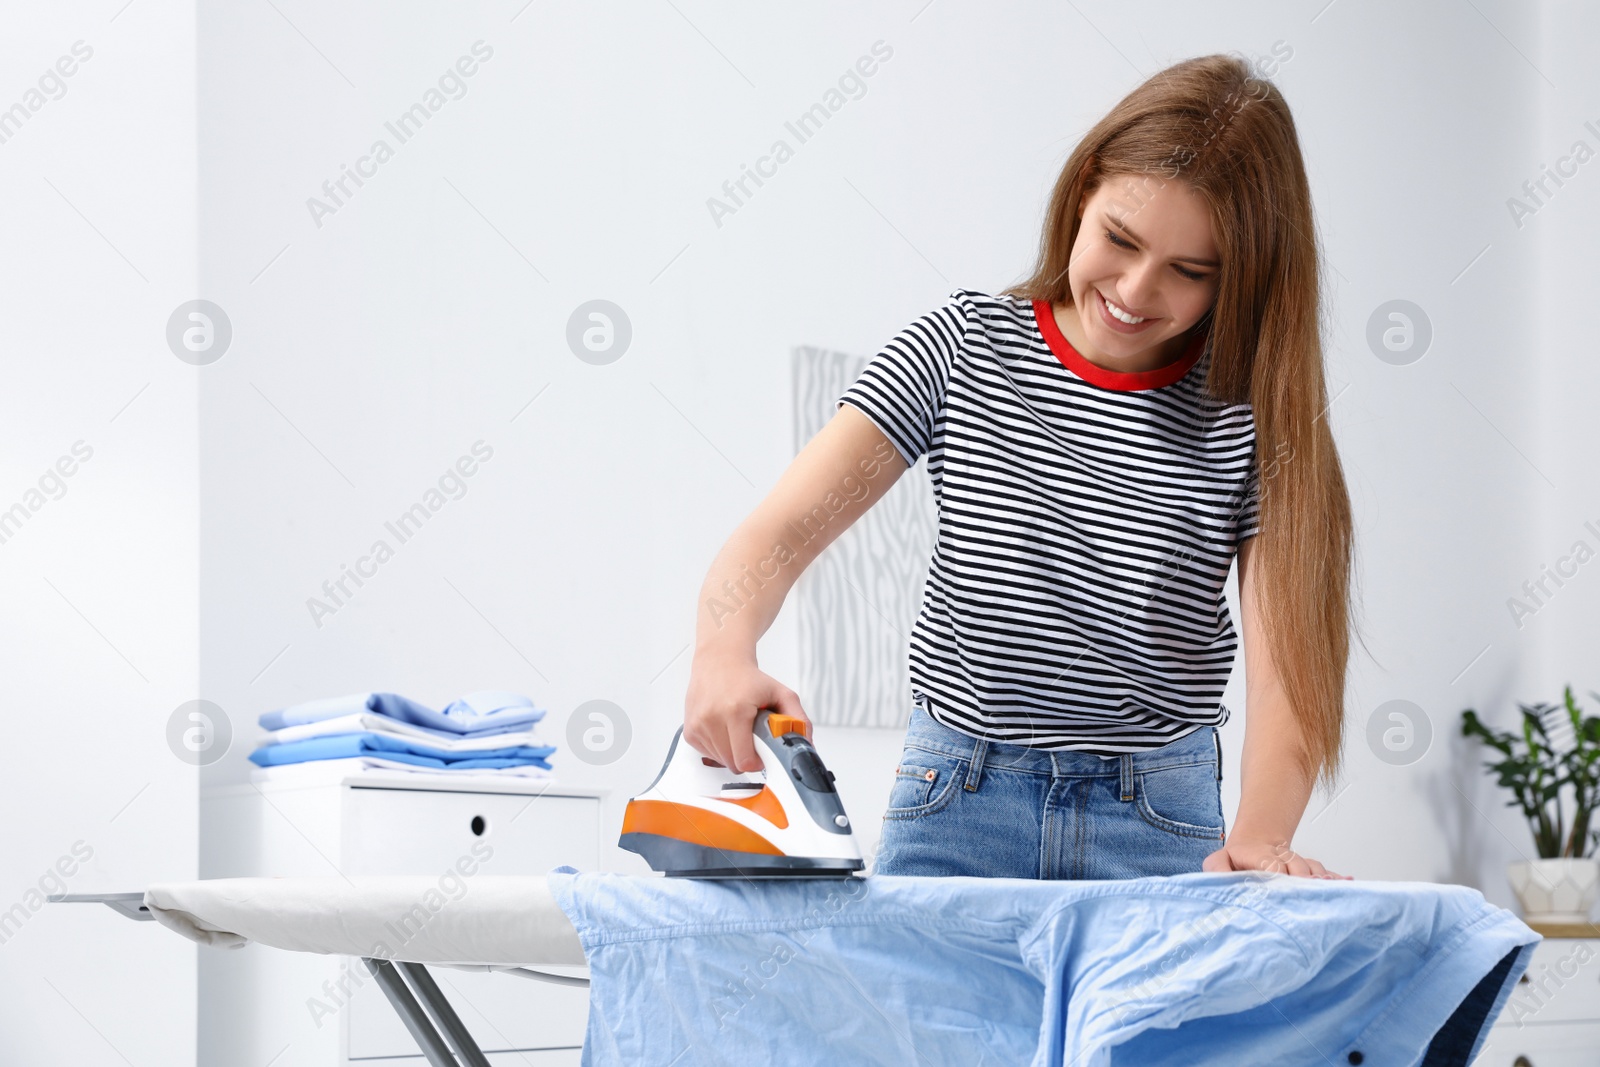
(507, 924)
(1452, 955)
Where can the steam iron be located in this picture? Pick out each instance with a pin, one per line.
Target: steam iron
(699, 819)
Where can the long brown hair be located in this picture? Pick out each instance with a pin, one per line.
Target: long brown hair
(1211, 123)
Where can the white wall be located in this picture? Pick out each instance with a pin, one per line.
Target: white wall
(1417, 124)
(429, 311)
(100, 581)
(1565, 631)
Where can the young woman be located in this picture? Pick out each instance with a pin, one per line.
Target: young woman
(1102, 439)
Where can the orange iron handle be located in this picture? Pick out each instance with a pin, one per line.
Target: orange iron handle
(779, 725)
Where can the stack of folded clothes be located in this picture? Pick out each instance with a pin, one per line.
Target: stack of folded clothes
(484, 732)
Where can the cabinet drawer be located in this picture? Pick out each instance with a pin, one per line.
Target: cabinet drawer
(1561, 984)
(1542, 1045)
(420, 831)
(501, 1011)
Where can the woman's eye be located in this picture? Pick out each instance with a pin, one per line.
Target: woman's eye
(1120, 243)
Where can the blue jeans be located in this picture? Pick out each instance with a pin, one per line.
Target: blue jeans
(963, 805)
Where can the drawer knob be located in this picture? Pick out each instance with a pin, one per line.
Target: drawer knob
(478, 825)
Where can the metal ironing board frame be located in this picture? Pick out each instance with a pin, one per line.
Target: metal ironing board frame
(415, 996)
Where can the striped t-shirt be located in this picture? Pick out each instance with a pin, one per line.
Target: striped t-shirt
(1087, 519)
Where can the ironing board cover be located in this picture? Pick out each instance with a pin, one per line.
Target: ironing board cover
(501, 920)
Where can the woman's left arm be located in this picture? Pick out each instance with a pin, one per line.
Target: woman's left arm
(1273, 791)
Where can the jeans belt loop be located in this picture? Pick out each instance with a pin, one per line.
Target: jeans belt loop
(980, 750)
(1216, 736)
(1126, 760)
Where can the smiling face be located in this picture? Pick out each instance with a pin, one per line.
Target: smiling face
(1148, 250)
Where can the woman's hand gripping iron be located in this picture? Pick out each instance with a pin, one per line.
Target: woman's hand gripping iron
(698, 819)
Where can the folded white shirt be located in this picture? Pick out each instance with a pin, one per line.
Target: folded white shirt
(382, 724)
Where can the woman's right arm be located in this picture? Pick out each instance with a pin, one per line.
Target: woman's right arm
(849, 465)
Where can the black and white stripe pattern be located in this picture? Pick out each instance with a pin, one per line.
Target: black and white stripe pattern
(1075, 596)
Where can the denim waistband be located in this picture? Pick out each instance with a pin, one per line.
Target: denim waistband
(1202, 745)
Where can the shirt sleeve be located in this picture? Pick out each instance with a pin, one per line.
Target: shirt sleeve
(902, 388)
(1249, 523)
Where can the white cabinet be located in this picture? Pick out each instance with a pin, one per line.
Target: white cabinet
(1552, 1017)
(290, 1009)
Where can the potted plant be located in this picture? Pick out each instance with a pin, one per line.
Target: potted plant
(1556, 754)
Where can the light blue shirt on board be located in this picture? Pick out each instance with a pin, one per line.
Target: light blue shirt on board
(1202, 968)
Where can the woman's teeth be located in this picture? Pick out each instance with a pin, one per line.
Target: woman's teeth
(1118, 313)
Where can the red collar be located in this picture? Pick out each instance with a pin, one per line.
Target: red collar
(1113, 379)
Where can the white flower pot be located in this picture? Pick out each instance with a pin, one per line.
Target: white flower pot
(1556, 891)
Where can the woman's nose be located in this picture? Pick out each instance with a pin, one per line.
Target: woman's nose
(1138, 287)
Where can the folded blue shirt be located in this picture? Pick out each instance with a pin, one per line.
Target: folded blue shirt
(424, 761)
(367, 743)
(488, 711)
(1202, 968)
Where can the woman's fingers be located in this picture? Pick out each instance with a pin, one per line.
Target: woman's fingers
(1319, 871)
(787, 702)
(742, 746)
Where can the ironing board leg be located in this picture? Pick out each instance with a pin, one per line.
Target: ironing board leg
(443, 1014)
(422, 1030)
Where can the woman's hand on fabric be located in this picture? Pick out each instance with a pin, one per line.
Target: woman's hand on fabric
(1264, 854)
